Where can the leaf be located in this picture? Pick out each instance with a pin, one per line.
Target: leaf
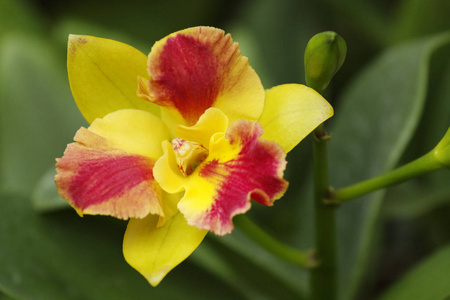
(376, 119)
(414, 18)
(365, 17)
(45, 196)
(429, 192)
(280, 44)
(209, 258)
(5, 297)
(146, 20)
(63, 256)
(251, 270)
(16, 17)
(412, 201)
(427, 281)
(37, 114)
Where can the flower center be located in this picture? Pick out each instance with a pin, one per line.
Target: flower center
(188, 155)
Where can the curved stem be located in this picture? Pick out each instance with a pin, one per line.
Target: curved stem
(420, 166)
(324, 277)
(277, 248)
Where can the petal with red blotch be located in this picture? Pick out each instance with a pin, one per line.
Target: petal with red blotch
(109, 170)
(241, 166)
(198, 68)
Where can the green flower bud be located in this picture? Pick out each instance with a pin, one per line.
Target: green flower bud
(324, 56)
(442, 150)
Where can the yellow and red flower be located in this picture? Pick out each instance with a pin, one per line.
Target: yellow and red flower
(185, 153)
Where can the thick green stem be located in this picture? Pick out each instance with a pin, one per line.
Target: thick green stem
(420, 166)
(277, 248)
(324, 277)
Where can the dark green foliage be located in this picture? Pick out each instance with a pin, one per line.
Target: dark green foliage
(392, 105)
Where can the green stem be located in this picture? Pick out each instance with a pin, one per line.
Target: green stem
(420, 166)
(277, 248)
(324, 277)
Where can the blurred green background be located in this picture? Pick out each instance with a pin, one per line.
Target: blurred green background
(392, 104)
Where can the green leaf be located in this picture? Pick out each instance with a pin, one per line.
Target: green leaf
(63, 256)
(427, 281)
(45, 196)
(16, 16)
(413, 200)
(364, 17)
(5, 297)
(422, 195)
(280, 44)
(373, 125)
(149, 21)
(414, 18)
(249, 269)
(291, 278)
(38, 116)
(208, 257)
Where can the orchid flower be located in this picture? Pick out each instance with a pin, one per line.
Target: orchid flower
(179, 142)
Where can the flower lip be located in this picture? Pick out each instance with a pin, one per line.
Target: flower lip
(240, 166)
(189, 155)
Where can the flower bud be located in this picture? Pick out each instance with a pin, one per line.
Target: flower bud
(442, 150)
(324, 56)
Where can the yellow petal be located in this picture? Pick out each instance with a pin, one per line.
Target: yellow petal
(166, 171)
(169, 206)
(103, 76)
(211, 122)
(291, 112)
(134, 131)
(153, 251)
